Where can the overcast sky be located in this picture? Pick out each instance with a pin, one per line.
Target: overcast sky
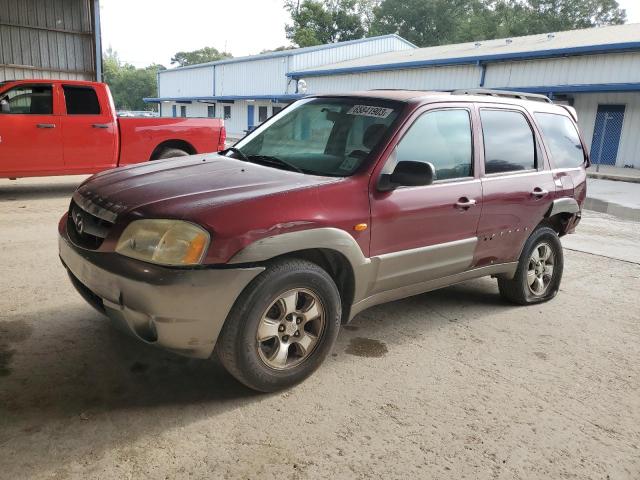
(148, 31)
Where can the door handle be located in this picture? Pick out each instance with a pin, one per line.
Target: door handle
(539, 192)
(101, 125)
(46, 125)
(465, 203)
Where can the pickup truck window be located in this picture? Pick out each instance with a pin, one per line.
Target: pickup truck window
(322, 136)
(30, 100)
(561, 136)
(81, 100)
(442, 138)
(508, 141)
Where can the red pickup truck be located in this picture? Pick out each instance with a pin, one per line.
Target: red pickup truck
(63, 127)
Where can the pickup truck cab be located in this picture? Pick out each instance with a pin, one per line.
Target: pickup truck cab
(336, 204)
(64, 127)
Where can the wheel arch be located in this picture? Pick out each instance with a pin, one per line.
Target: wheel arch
(174, 143)
(560, 214)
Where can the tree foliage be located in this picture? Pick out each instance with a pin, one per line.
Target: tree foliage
(438, 22)
(128, 84)
(316, 22)
(202, 55)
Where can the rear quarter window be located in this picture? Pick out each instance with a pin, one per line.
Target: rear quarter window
(561, 136)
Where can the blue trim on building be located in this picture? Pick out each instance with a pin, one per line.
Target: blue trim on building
(585, 88)
(222, 98)
(500, 57)
(293, 51)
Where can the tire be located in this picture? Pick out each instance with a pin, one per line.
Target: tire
(277, 306)
(171, 153)
(537, 279)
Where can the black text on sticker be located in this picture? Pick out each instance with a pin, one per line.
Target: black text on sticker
(370, 111)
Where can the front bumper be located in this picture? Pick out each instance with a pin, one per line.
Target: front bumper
(182, 310)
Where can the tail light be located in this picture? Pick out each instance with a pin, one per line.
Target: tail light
(223, 136)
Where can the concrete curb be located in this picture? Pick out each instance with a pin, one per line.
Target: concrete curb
(614, 177)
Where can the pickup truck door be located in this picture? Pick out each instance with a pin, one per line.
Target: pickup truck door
(427, 232)
(30, 133)
(89, 129)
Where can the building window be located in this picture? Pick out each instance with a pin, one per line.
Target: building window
(227, 112)
(211, 111)
(183, 110)
(508, 142)
(174, 111)
(263, 114)
(276, 110)
(81, 100)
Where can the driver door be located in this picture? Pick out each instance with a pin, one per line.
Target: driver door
(427, 232)
(30, 133)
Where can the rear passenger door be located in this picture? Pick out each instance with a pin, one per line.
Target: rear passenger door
(517, 184)
(427, 232)
(89, 130)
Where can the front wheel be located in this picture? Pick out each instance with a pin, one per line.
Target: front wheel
(537, 278)
(281, 327)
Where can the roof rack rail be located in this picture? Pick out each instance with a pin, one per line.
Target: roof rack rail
(536, 97)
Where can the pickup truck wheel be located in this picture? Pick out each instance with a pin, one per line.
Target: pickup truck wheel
(171, 153)
(537, 278)
(281, 327)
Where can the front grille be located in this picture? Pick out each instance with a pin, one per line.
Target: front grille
(86, 229)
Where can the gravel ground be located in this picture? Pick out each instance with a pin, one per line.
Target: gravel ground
(450, 384)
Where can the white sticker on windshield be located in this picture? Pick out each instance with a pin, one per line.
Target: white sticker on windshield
(370, 111)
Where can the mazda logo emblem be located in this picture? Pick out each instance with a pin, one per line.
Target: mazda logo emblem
(78, 222)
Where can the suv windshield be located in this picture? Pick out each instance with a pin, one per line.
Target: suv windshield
(321, 136)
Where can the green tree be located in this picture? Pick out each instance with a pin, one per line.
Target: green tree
(128, 84)
(317, 22)
(202, 55)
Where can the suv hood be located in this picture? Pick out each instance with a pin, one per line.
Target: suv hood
(199, 180)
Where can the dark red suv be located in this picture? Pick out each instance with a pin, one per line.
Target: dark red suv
(338, 203)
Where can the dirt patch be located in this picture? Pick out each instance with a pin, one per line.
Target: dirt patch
(11, 332)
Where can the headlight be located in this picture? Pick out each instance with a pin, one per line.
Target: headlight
(166, 242)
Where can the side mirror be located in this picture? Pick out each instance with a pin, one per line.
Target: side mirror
(408, 174)
(4, 106)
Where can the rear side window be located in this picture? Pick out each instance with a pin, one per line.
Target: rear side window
(442, 138)
(562, 138)
(29, 100)
(81, 100)
(508, 142)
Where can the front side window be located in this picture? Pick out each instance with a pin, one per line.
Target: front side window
(28, 100)
(322, 136)
(508, 142)
(81, 100)
(561, 135)
(442, 138)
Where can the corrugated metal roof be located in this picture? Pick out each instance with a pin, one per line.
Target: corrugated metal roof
(572, 42)
(293, 51)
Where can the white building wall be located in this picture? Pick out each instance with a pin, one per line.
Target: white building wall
(587, 69)
(434, 78)
(256, 77)
(347, 52)
(586, 105)
(190, 82)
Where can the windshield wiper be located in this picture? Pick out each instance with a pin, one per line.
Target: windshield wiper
(235, 150)
(275, 161)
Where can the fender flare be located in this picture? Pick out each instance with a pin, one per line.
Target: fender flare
(316, 238)
(563, 205)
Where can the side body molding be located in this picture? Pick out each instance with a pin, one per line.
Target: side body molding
(325, 238)
(563, 205)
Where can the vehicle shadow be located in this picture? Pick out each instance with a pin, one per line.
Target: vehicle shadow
(35, 189)
(66, 371)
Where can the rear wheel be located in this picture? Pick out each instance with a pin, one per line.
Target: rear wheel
(171, 153)
(281, 327)
(537, 278)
